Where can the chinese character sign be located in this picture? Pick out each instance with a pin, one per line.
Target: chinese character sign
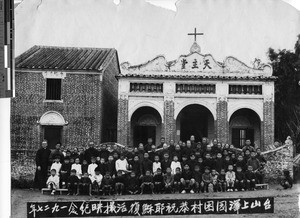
(151, 207)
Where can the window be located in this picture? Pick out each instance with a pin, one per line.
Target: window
(245, 89)
(53, 89)
(196, 88)
(239, 136)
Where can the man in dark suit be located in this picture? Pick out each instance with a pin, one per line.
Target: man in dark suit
(42, 164)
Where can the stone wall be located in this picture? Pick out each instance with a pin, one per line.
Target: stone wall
(277, 161)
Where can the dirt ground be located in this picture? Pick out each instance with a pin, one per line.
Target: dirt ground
(286, 201)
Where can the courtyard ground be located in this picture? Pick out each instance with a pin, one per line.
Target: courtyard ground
(286, 201)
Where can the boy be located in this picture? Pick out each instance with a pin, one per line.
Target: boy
(208, 161)
(136, 166)
(102, 166)
(192, 162)
(219, 162)
(241, 163)
(197, 175)
(239, 180)
(56, 165)
(168, 181)
(65, 172)
(96, 180)
(119, 182)
(206, 180)
(147, 182)
(250, 179)
(84, 167)
(133, 184)
(158, 181)
(111, 166)
(286, 181)
(187, 180)
(230, 178)
(53, 181)
(107, 184)
(165, 163)
(152, 153)
(85, 184)
(222, 180)
(122, 164)
(156, 164)
(77, 166)
(73, 182)
(146, 164)
(214, 176)
(175, 164)
(91, 167)
(256, 166)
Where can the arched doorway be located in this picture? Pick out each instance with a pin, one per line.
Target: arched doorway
(195, 120)
(145, 123)
(52, 123)
(244, 124)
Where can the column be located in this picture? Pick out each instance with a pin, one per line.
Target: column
(123, 123)
(169, 126)
(222, 124)
(268, 123)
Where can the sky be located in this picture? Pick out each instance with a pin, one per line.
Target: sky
(244, 29)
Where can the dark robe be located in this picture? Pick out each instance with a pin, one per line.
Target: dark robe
(42, 160)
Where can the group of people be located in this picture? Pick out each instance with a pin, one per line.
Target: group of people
(183, 167)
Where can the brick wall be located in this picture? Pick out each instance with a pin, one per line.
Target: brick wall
(81, 94)
(268, 124)
(278, 161)
(222, 125)
(109, 103)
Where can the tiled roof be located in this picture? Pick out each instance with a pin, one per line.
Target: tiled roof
(65, 58)
(196, 77)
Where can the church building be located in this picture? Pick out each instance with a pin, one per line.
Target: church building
(64, 94)
(196, 95)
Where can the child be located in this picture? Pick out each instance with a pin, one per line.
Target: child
(230, 178)
(119, 182)
(56, 165)
(73, 182)
(156, 164)
(111, 166)
(77, 166)
(96, 180)
(214, 176)
(206, 180)
(174, 164)
(197, 175)
(227, 161)
(85, 184)
(192, 162)
(122, 164)
(65, 172)
(102, 166)
(208, 162)
(84, 167)
(91, 167)
(177, 178)
(240, 179)
(146, 164)
(158, 181)
(187, 180)
(219, 162)
(168, 181)
(222, 180)
(286, 181)
(147, 182)
(107, 184)
(53, 181)
(136, 166)
(250, 179)
(165, 163)
(241, 163)
(133, 184)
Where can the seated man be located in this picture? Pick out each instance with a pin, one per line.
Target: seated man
(206, 180)
(158, 181)
(250, 179)
(107, 184)
(119, 182)
(133, 184)
(187, 180)
(168, 181)
(73, 182)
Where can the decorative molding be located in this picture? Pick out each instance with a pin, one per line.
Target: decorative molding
(52, 118)
(255, 105)
(133, 105)
(123, 96)
(54, 75)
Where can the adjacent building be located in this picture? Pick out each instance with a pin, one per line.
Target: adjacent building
(65, 94)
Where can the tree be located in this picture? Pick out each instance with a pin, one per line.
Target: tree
(286, 66)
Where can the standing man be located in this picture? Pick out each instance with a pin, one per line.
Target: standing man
(90, 152)
(42, 163)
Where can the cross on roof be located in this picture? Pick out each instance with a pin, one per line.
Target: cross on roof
(195, 34)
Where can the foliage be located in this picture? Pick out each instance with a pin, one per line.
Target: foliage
(286, 67)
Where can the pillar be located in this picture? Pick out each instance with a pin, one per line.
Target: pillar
(221, 123)
(123, 123)
(268, 123)
(169, 121)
